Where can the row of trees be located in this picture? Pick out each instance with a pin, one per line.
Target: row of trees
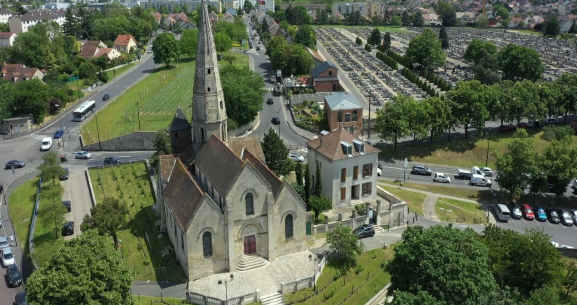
(415, 79)
(389, 61)
(437, 80)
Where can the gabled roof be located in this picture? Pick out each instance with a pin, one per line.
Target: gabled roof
(263, 170)
(332, 148)
(104, 52)
(342, 101)
(218, 163)
(182, 194)
(166, 165)
(5, 11)
(237, 145)
(123, 40)
(89, 48)
(322, 68)
(179, 122)
(6, 35)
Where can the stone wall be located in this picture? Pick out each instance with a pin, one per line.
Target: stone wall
(136, 141)
(244, 129)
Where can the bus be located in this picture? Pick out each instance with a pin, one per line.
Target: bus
(84, 110)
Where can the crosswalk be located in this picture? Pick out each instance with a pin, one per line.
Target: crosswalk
(37, 136)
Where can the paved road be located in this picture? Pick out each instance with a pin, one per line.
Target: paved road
(76, 190)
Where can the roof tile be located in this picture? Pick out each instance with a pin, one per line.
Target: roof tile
(331, 145)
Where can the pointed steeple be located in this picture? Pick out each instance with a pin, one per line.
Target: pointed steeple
(209, 111)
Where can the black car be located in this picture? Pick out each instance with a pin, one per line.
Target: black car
(106, 97)
(515, 211)
(15, 164)
(111, 160)
(68, 228)
(269, 101)
(20, 298)
(565, 217)
(14, 276)
(275, 121)
(64, 175)
(421, 170)
(67, 204)
(365, 231)
(552, 216)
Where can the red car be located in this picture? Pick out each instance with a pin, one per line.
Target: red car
(528, 212)
(522, 125)
(505, 128)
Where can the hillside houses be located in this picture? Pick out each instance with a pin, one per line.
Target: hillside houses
(5, 15)
(124, 43)
(16, 73)
(22, 23)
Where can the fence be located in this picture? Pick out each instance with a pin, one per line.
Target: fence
(33, 225)
(205, 300)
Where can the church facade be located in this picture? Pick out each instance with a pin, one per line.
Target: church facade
(223, 205)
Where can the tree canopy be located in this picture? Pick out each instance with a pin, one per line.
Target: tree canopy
(243, 93)
(107, 217)
(426, 50)
(275, 152)
(474, 51)
(519, 62)
(448, 13)
(306, 36)
(344, 246)
(551, 27)
(375, 38)
(188, 42)
(165, 49)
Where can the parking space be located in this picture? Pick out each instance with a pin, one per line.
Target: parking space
(76, 190)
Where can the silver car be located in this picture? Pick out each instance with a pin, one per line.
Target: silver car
(82, 155)
(4, 243)
(440, 177)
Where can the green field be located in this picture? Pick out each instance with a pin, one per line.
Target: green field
(413, 199)
(453, 210)
(141, 247)
(157, 96)
(383, 29)
(119, 71)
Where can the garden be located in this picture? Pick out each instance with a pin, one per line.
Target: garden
(414, 200)
(310, 116)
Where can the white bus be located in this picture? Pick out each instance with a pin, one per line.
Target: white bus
(84, 110)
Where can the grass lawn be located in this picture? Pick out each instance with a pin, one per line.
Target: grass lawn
(459, 211)
(144, 300)
(130, 184)
(21, 205)
(413, 199)
(383, 29)
(482, 194)
(119, 71)
(44, 243)
(158, 96)
(531, 32)
(334, 290)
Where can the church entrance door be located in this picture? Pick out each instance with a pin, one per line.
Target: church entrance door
(250, 244)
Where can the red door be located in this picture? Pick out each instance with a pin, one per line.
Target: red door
(250, 244)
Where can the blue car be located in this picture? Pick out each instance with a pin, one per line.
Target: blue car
(58, 134)
(540, 214)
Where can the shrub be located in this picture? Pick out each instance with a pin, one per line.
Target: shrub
(360, 209)
(557, 133)
(359, 268)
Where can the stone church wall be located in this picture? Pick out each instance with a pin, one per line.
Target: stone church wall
(286, 204)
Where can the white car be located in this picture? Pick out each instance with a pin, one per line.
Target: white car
(296, 157)
(46, 144)
(82, 155)
(379, 170)
(487, 171)
(440, 177)
(4, 243)
(7, 257)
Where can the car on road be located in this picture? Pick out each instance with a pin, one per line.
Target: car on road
(68, 228)
(7, 257)
(275, 121)
(552, 216)
(20, 298)
(480, 180)
(246, 52)
(82, 155)
(515, 211)
(421, 170)
(111, 160)
(14, 276)
(106, 97)
(440, 177)
(565, 217)
(505, 128)
(269, 101)
(379, 170)
(528, 212)
(487, 171)
(574, 215)
(15, 164)
(58, 134)
(67, 204)
(258, 48)
(64, 175)
(540, 214)
(46, 144)
(150, 50)
(296, 157)
(4, 243)
(364, 231)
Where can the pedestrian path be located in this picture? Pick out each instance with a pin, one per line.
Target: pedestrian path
(429, 206)
(35, 136)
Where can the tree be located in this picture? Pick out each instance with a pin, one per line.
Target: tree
(166, 49)
(560, 160)
(52, 212)
(86, 270)
(71, 26)
(449, 264)
(318, 204)
(243, 93)
(222, 42)
(306, 36)
(368, 48)
(406, 19)
(188, 42)
(50, 168)
(444, 38)
(299, 174)
(474, 51)
(570, 279)
(248, 7)
(420, 298)
(322, 16)
(318, 183)
(573, 29)
(517, 165)
(275, 152)
(30, 97)
(162, 144)
(519, 62)
(106, 217)
(344, 246)
(358, 41)
(29, 49)
(392, 121)
(486, 71)
(307, 186)
(396, 21)
(469, 104)
(438, 118)
(551, 27)
(418, 20)
(425, 49)
(375, 38)
(387, 41)
(567, 93)
(448, 14)
(87, 71)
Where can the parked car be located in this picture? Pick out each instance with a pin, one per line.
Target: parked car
(68, 228)
(421, 170)
(269, 101)
(505, 128)
(106, 97)
(20, 298)
(14, 276)
(67, 204)
(58, 134)
(7, 257)
(4, 243)
(64, 175)
(533, 123)
(540, 214)
(487, 171)
(522, 125)
(440, 177)
(552, 216)
(528, 212)
(46, 144)
(296, 157)
(480, 180)
(574, 215)
(515, 211)
(365, 231)
(552, 121)
(258, 48)
(565, 217)
(111, 160)
(82, 155)
(15, 164)
(275, 121)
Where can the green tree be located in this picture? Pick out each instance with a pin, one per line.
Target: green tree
(474, 51)
(448, 14)
(87, 71)
(486, 71)
(188, 42)
(425, 49)
(345, 246)
(86, 270)
(318, 183)
(567, 89)
(469, 103)
(166, 49)
(368, 47)
(71, 25)
(560, 160)
(519, 62)
(275, 152)
(418, 20)
(50, 168)
(299, 174)
(396, 20)
(306, 36)
(438, 118)
(406, 19)
(107, 217)
(449, 264)
(322, 16)
(243, 93)
(6, 99)
(570, 279)
(29, 49)
(573, 29)
(420, 298)
(318, 204)
(222, 42)
(444, 38)
(52, 213)
(551, 27)
(162, 144)
(307, 186)
(375, 38)
(387, 41)
(31, 97)
(358, 41)
(392, 120)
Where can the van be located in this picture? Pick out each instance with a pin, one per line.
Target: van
(502, 212)
(46, 144)
(476, 170)
(477, 179)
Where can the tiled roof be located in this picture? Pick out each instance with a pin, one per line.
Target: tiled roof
(342, 101)
(40, 16)
(166, 165)
(103, 52)
(218, 163)
(6, 35)
(263, 170)
(250, 143)
(316, 55)
(123, 40)
(331, 146)
(322, 68)
(89, 48)
(182, 195)
(179, 122)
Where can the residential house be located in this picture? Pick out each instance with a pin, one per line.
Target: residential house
(348, 8)
(16, 73)
(374, 9)
(565, 26)
(231, 11)
(530, 22)
(494, 21)
(344, 111)
(110, 53)
(515, 21)
(172, 5)
(234, 4)
(90, 48)
(124, 43)
(7, 39)
(318, 58)
(227, 17)
(326, 77)
(157, 16)
(348, 167)
(186, 25)
(466, 17)
(5, 15)
(21, 23)
(432, 19)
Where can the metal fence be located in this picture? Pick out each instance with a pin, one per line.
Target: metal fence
(33, 224)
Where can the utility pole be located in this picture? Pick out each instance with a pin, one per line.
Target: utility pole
(369, 129)
(98, 133)
(138, 114)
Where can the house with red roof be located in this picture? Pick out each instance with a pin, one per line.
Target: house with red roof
(16, 73)
(124, 43)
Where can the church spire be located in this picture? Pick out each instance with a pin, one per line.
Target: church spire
(209, 111)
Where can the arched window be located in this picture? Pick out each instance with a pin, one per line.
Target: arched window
(288, 226)
(207, 244)
(249, 204)
(354, 115)
(340, 116)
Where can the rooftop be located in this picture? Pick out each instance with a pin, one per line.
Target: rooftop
(342, 101)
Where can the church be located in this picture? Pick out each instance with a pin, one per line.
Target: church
(218, 202)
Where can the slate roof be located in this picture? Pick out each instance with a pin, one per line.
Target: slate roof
(41, 15)
(5, 11)
(179, 122)
(166, 164)
(322, 68)
(342, 101)
(331, 146)
(182, 195)
(249, 143)
(218, 163)
(326, 79)
(263, 170)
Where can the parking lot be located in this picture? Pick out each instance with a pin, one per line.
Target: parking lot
(76, 190)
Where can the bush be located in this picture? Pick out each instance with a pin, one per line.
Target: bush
(360, 209)
(368, 48)
(359, 268)
(557, 133)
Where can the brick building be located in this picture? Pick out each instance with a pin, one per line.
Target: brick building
(325, 77)
(344, 111)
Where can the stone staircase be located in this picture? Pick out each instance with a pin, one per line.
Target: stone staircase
(249, 262)
(272, 299)
(377, 228)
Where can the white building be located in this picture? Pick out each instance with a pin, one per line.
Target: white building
(266, 5)
(7, 39)
(22, 23)
(348, 8)
(5, 15)
(235, 4)
(348, 167)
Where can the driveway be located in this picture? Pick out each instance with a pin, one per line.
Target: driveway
(76, 190)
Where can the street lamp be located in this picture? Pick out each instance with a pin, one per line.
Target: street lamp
(226, 287)
(314, 270)
(369, 128)
(488, 141)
